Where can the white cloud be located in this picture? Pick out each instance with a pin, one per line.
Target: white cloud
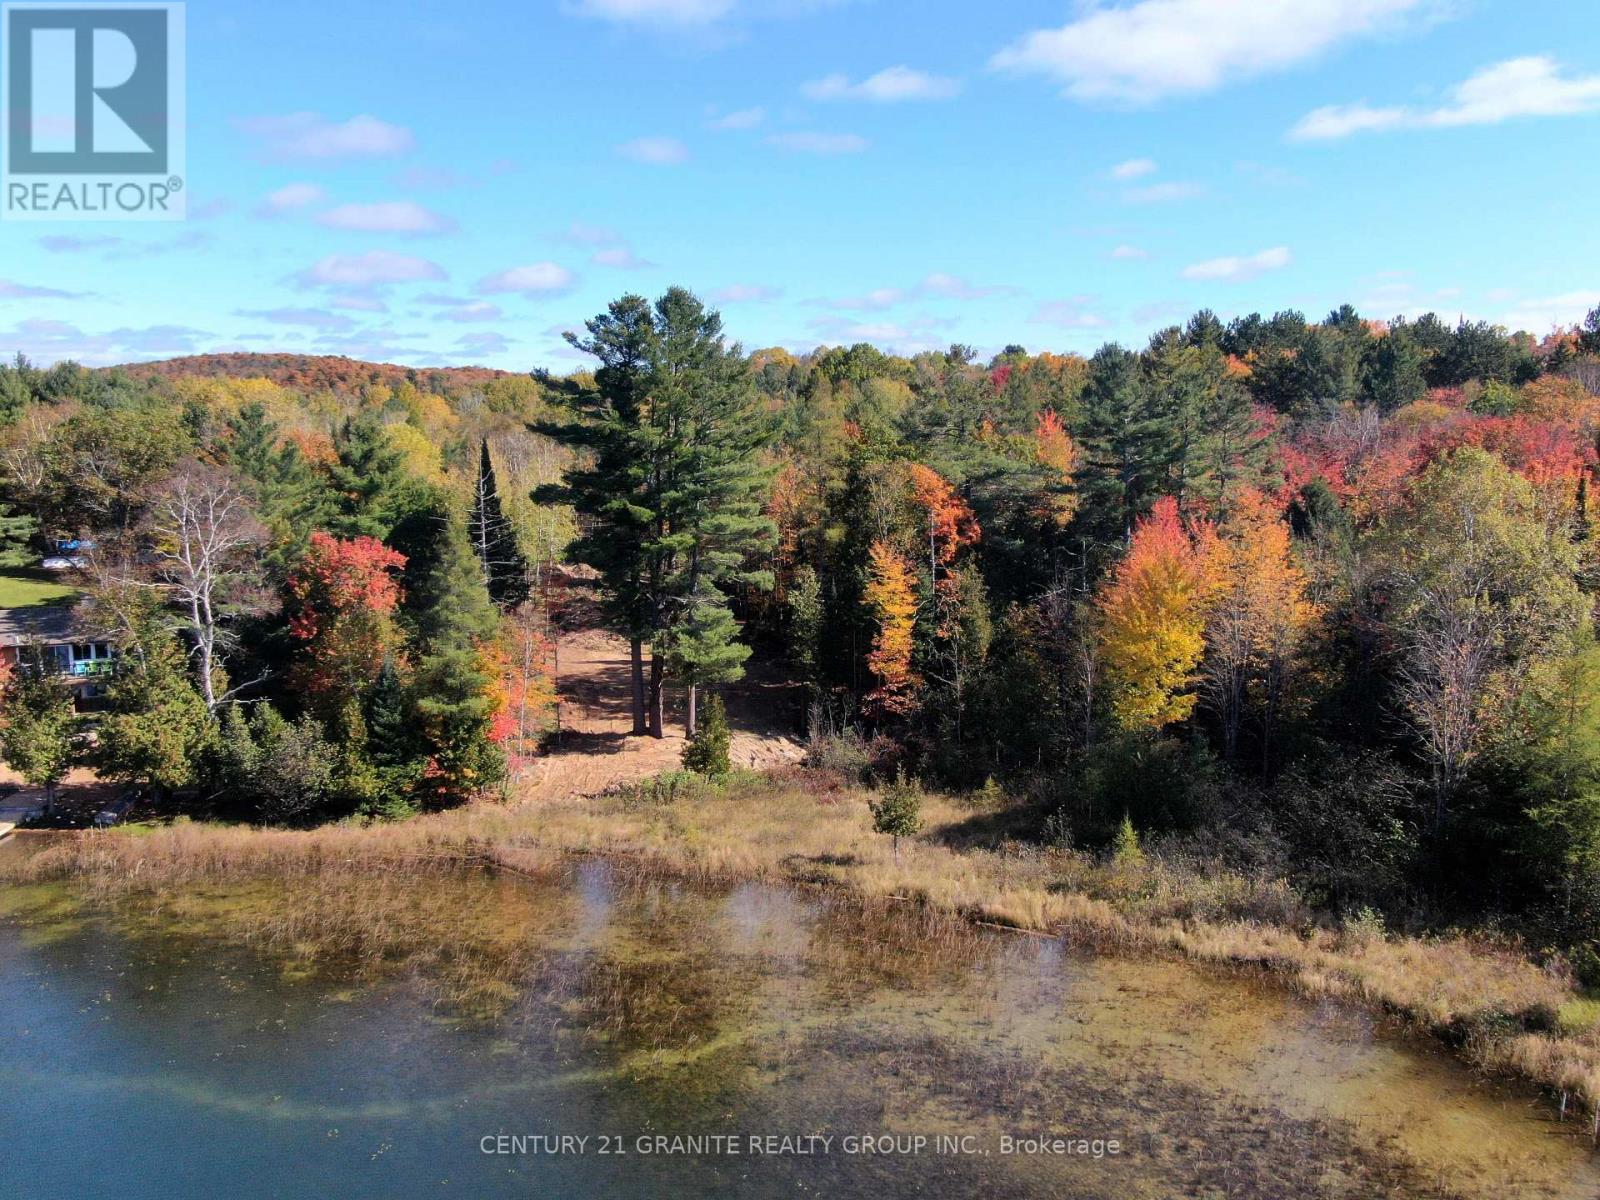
(393, 216)
(819, 143)
(922, 333)
(655, 151)
(654, 12)
(953, 287)
(1143, 52)
(621, 257)
(357, 302)
(1239, 268)
(874, 301)
(49, 341)
(290, 197)
(745, 293)
(744, 118)
(11, 290)
(307, 135)
(461, 309)
(889, 86)
(1134, 168)
(536, 277)
(1545, 313)
(1129, 252)
(477, 310)
(484, 343)
(581, 233)
(1072, 313)
(375, 268)
(1519, 87)
(314, 318)
(937, 286)
(1161, 193)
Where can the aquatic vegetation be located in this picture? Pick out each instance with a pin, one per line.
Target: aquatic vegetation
(342, 889)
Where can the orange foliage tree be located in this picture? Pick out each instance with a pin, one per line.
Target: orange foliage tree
(1152, 611)
(522, 663)
(951, 526)
(343, 598)
(1054, 448)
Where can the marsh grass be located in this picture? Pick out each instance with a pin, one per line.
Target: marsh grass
(350, 894)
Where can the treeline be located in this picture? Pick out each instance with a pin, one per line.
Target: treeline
(1315, 598)
(323, 603)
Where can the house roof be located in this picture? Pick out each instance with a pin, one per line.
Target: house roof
(46, 623)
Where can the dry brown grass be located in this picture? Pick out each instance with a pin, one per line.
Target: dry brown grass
(1493, 1002)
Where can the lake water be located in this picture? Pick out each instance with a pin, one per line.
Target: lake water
(742, 1041)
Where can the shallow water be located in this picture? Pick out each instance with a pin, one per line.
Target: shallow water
(166, 1055)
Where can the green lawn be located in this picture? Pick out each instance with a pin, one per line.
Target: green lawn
(24, 589)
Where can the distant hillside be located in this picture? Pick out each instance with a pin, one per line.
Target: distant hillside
(316, 372)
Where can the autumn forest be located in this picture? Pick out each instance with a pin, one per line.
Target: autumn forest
(1309, 599)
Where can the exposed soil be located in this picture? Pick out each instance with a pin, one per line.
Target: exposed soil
(595, 748)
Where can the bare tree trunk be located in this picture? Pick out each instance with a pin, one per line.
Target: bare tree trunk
(692, 723)
(636, 654)
(657, 687)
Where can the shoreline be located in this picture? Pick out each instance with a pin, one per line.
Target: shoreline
(1487, 1003)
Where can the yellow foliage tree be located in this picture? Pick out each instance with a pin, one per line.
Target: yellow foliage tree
(421, 456)
(1258, 618)
(890, 597)
(1153, 611)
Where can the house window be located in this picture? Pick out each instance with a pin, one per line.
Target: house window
(91, 658)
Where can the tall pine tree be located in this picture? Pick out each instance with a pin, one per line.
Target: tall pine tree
(494, 540)
(712, 488)
(455, 694)
(610, 489)
(677, 484)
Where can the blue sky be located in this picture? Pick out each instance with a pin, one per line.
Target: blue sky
(435, 183)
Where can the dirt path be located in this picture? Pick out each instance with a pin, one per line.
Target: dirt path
(596, 749)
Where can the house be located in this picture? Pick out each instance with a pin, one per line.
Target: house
(84, 659)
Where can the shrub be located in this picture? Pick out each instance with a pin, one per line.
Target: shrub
(1125, 849)
(898, 810)
(834, 745)
(706, 753)
(1160, 782)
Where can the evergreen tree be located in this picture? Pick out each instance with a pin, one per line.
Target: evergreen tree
(1589, 335)
(296, 769)
(1392, 369)
(16, 532)
(706, 752)
(611, 489)
(1125, 848)
(37, 724)
(806, 612)
(678, 484)
(1128, 442)
(291, 497)
(710, 481)
(704, 648)
(372, 491)
(158, 726)
(898, 810)
(454, 691)
(505, 567)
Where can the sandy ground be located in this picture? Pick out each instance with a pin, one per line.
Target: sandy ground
(595, 749)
